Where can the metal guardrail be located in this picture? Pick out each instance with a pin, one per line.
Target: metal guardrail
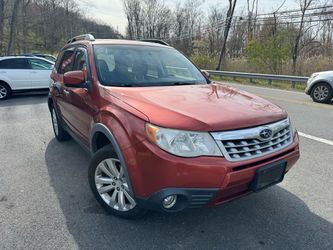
(269, 78)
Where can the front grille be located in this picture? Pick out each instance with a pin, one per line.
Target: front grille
(247, 144)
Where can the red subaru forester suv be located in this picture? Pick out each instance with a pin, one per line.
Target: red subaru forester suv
(162, 135)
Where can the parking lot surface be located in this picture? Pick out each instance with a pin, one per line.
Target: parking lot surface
(46, 203)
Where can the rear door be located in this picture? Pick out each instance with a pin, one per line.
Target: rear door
(40, 73)
(16, 71)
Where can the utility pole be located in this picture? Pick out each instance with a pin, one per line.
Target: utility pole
(230, 14)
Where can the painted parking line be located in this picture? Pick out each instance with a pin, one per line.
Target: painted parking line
(316, 138)
(265, 88)
(312, 104)
(277, 98)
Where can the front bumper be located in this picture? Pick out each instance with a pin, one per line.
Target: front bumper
(201, 181)
(309, 84)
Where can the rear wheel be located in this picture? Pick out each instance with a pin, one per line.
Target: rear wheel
(59, 132)
(5, 91)
(322, 93)
(110, 185)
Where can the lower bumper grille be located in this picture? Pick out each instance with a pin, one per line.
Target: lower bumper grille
(200, 200)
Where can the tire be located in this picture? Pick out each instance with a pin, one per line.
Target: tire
(322, 93)
(59, 132)
(5, 91)
(109, 185)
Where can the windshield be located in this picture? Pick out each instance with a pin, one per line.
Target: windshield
(123, 65)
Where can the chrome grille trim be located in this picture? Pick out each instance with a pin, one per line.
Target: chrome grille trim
(245, 144)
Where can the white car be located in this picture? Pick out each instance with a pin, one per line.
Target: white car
(22, 73)
(320, 86)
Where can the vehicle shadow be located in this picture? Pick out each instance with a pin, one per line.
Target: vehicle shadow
(25, 99)
(272, 219)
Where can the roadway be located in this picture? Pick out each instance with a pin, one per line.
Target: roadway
(45, 201)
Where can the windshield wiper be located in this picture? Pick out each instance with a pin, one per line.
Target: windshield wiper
(128, 85)
(182, 83)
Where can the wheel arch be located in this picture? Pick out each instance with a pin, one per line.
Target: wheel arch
(318, 82)
(101, 131)
(7, 82)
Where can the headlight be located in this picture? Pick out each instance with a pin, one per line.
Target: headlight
(292, 129)
(183, 143)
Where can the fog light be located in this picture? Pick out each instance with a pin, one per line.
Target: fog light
(169, 201)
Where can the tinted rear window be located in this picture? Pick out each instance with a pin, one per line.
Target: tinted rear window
(15, 63)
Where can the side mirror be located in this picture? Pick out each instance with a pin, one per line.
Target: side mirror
(74, 79)
(206, 74)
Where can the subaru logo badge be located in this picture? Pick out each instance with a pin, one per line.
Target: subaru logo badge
(266, 134)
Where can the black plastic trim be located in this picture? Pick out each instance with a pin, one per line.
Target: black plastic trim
(186, 198)
(99, 127)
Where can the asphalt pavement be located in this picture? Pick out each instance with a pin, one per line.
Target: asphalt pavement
(46, 203)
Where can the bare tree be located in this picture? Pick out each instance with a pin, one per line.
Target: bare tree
(25, 5)
(12, 25)
(2, 12)
(214, 29)
(132, 9)
(237, 41)
(252, 11)
(230, 14)
(147, 19)
(304, 4)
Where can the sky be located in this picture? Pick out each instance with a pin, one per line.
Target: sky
(111, 11)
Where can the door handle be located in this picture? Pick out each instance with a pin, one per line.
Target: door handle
(66, 92)
(3, 72)
(33, 72)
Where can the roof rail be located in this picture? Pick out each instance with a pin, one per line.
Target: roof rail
(88, 37)
(155, 41)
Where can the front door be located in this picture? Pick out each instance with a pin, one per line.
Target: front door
(64, 65)
(79, 104)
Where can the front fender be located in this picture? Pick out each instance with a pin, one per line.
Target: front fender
(123, 130)
(319, 80)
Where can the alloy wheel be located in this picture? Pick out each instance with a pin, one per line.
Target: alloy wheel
(112, 186)
(320, 93)
(3, 92)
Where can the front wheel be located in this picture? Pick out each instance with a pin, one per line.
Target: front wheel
(322, 93)
(110, 185)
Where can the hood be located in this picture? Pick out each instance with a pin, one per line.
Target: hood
(211, 107)
(324, 73)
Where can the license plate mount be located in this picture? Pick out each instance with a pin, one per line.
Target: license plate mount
(268, 175)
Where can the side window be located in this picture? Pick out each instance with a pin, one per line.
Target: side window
(15, 63)
(57, 62)
(66, 62)
(80, 62)
(4, 64)
(40, 64)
